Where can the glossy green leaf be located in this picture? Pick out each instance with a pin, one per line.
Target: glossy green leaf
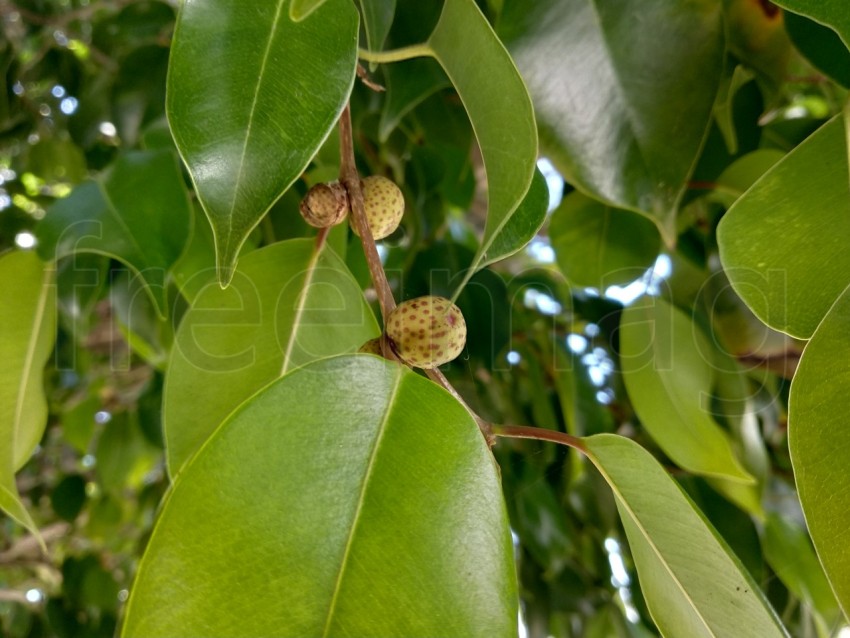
(408, 84)
(667, 368)
(248, 111)
(300, 9)
(377, 20)
(693, 584)
(832, 13)
(599, 246)
(288, 305)
(622, 113)
(821, 46)
(819, 441)
(782, 243)
(138, 213)
(789, 551)
(520, 227)
(361, 500)
(28, 308)
(498, 105)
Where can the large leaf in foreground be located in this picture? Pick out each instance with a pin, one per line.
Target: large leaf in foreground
(498, 105)
(693, 584)
(288, 305)
(667, 368)
(251, 97)
(349, 498)
(138, 213)
(622, 113)
(28, 308)
(783, 244)
(819, 440)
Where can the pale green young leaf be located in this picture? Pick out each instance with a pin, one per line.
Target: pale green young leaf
(248, 111)
(667, 368)
(357, 497)
(288, 304)
(693, 584)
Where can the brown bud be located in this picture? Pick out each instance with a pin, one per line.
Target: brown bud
(325, 205)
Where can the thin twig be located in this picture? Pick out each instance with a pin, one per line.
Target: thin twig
(364, 77)
(538, 434)
(349, 178)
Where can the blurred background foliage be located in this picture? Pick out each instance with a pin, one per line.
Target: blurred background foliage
(85, 85)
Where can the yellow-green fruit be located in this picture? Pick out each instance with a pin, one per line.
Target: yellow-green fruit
(384, 205)
(427, 332)
(324, 205)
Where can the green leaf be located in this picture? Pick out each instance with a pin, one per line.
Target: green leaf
(248, 111)
(409, 83)
(358, 498)
(790, 554)
(519, 228)
(667, 369)
(600, 246)
(377, 20)
(622, 113)
(832, 13)
(300, 9)
(709, 596)
(783, 243)
(138, 213)
(288, 305)
(820, 443)
(28, 308)
(821, 46)
(498, 105)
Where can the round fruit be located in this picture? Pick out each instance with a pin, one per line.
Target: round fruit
(373, 346)
(384, 205)
(427, 332)
(324, 205)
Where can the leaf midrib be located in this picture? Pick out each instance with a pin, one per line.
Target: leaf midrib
(650, 543)
(241, 170)
(362, 497)
(302, 302)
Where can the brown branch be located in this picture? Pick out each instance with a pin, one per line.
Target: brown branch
(349, 178)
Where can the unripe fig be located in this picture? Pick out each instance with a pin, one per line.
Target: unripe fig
(426, 332)
(325, 205)
(373, 346)
(384, 205)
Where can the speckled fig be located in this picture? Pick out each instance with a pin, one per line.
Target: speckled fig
(373, 346)
(427, 332)
(325, 205)
(384, 205)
